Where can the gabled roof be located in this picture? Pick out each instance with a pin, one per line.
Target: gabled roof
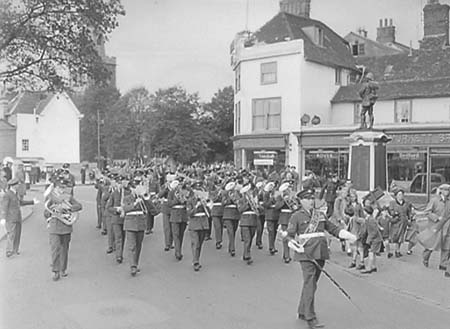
(389, 49)
(29, 102)
(424, 74)
(335, 51)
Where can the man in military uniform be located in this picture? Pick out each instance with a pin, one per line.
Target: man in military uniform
(117, 217)
(177, 200)
(11, 216)
(165, 209)
(310, 225)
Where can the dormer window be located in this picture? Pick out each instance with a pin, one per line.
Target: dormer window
(358, 49)
(315, 33)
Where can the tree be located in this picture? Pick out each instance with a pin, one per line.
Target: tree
(96, 104)
(53, 43)
(218, 120)
(174, 128)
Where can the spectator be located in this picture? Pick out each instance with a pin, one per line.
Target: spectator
(330, 188)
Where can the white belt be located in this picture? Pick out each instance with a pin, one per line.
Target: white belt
(231, 206)
(311, 235)
(272, 206)
(249, 213)
(200, 214)
(286, 210)
(217, 203)
(134, 213)
(178, 207)
(164, 199)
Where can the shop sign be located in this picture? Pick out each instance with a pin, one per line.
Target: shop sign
(263, 162)
(420, 139)
(410, 156)
(264, 158)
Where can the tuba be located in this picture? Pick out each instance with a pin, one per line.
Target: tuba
(289, 199)
(245, 191)
(59, 207)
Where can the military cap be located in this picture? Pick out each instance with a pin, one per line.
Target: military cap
(397, 190)
(66, 166)
(305, 194)
(444, 187)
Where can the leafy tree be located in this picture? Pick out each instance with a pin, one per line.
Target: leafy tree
(174, 128)
(95, 104)
(53, 43)
(218, 120)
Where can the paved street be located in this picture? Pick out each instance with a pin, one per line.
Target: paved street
(226, 293)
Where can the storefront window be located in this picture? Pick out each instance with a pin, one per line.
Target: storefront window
(324, 162)
(440, 168)
(260, 159)
(407, 169)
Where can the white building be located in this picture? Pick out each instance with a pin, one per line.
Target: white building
(47, 127)
(290, 67)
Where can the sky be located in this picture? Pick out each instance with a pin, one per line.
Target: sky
(162, 43)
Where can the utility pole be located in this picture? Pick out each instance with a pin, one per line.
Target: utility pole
(98, 141)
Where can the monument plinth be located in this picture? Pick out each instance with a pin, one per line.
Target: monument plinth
(368, 160)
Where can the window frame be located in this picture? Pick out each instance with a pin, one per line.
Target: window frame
(267, 114)
(237, 118)
(338, 76)
(237, 79)
(397, 118)
(262, 74)
(25, 145)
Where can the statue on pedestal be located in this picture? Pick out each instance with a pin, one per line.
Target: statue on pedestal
(369, 95)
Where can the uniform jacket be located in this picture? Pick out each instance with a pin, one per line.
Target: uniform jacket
(99, 187)
(216, 198)
(197, 222)
(164, 193)
(10, 207)
(104, 200)
(133, 222)
(178, 211)
(272, 206)
(285, 214)
(55, 226)
(114, 201)
(315, 248)
(231, 212)
(330, 187)
(248, 219)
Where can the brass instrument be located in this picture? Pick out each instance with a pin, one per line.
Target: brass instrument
(141, 194)
(202, 197)
(60, 208)
(182, 195)
(252, 202)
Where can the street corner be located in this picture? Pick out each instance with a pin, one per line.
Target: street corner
(115, 313)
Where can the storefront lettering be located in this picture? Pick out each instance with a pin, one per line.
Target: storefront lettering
(420, 139)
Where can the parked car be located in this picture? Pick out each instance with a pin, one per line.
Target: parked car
(419, 183)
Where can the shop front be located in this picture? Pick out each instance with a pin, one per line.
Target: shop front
(418, 157)
(260, 152)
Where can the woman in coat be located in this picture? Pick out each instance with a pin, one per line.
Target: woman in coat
(400, 211)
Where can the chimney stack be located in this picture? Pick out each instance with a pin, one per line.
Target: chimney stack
(296, 7)
(386, 31)
(435, 24)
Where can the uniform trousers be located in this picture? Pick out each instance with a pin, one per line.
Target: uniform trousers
(13, 233)
(248, 233)
(178, 235)
(330, 209)
(286, 250)
(99, 215)
(231, 226)
(197, 238)
(209, 230)
(168, 238)
(134, 244)
(110, 232)
(150, 222)
(218, 228)
(259, 229)
(272, 226)
(444, 259)
(59, 247)
(311, 274)
(119, 239)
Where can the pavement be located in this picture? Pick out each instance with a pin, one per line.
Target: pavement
(226, 293)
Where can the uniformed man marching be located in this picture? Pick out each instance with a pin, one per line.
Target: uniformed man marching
(249, 215)
(311, 250)
(117, 217)
(231, 215)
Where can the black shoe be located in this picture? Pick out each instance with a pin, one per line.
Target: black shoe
(166, 248)
(232, 253)
(398, 254)
(343, 247)
(119, 260)
(147, 232)
(133, 271)
(442, 268)
(55, 276)
(249, 261)
(389, 255)
(369, 271)
(447, 274)
(64, 274)
(272, 252)
(208, 238)
(104, 233)
(17, 253)
(360, 267)
(172, 247)
(313, 324)
(98, 227)
(287, 260)
(409, 252)
(196, 267)
(179, 257)
(301, 317)
(259, 246)
(425, 263)
(218, 245)
(352, 265)
(109, 251)
(275, 250)
(9, 254)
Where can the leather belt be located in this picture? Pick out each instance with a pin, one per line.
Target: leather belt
(134, 213)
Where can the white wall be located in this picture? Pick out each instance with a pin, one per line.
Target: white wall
(56, 136)
(424, 110)
(288, 56)
(318, 88)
